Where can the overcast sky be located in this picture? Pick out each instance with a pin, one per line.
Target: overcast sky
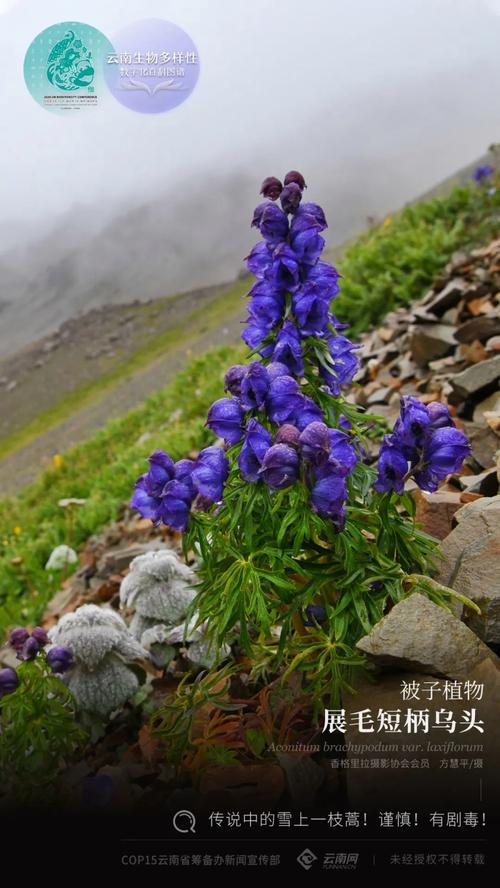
(374, 100)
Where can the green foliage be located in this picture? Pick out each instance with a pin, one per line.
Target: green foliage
(396, 262)
(38, 734)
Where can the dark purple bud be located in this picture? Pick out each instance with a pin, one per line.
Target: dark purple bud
(314, 614)
(271, 188)
(18, 637)
(225, 419)
(294, 176)
(41, 636)
(232, 379)
(29, 650)
(291, 197)
(60, 659)
(280, 466)
(9, 681)
(287, 434)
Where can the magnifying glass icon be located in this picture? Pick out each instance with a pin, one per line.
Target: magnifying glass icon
(184, 821)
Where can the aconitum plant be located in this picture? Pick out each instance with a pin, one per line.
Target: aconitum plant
(304, 544)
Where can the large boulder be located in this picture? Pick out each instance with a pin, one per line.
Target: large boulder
(419, 635)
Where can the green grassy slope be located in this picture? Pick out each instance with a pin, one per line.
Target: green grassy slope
(389, 265)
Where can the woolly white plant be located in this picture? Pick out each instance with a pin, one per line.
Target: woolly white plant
(102, 647)
(159, 589)
(200, 649)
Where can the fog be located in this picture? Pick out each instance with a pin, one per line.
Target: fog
(374, 101)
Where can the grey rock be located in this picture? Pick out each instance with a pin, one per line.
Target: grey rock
(484, 442)
(448, 297)
(419, 635)
(474, 521)
(431, 341)
(478, 328)
(489, 405)
(475, 378)
(477, 575)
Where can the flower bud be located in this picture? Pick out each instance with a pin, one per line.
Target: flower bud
(29, 649)
(41, 636)
(298, 178)
(271, 188)
(291, 197)
(18, 637)
(60, 659)
(9, 681)
(287, 434)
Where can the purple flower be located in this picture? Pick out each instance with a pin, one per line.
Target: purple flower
(41, 636)
(298, 178)
(315, 443)
(175, 504)
(483, 171)
(288, 434)
(310, 309)
(232, 379)
(343, 457)
(254, 335)
(411, 427)
(9, 681)
(29, 650)
(60, 659)
(325, 277)
(307, 245)
(266, 310)
(283, 399)
(146, 505)
(343, 363)
(271, 188)
(161, 470)
(280, 466)
(392, 467)
(271, 222)
(306, 412)
(254, 386)
(259, 260)
(444, 453)
(328, 497)
(18, 637)
(212, 470)
(288, 349)
(439, 416)
(284, 271)
(315, 215)
(275, 369)
(257, 442)
(314, 614)
(225, 419)
(291, 197)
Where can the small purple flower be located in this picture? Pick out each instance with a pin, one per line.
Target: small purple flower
(310, 310)
(271, 188)
(306, 412)
(325, 277)
(257, 442)
(307, 245)
(280, 466)
(343, 363)
(411, 427)
(288, 349)
(483, 171)
(272, 223)
(18, 637)
(439, 416)
(288, 434)
(211, 472)
(343, 456)
(9, 681)
(328, 497)
(283, 398)
(284, 271)
(60, 659)
(315, 443)
(225, 419)
(161, 470)
(175, 504)
(232, 379)
(392, 467)
(315, 216)
(295, 176)
(314, 614)
(290, 197)
(254, 386)
(444, 453)
(259, 260)
(266, 310)
(254, 335)
(41, 636)
(29, 650)
(275, 369)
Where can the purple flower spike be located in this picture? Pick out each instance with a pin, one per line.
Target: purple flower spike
(9, 681)
(60, 659)
(280, 467)
(225, 419)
